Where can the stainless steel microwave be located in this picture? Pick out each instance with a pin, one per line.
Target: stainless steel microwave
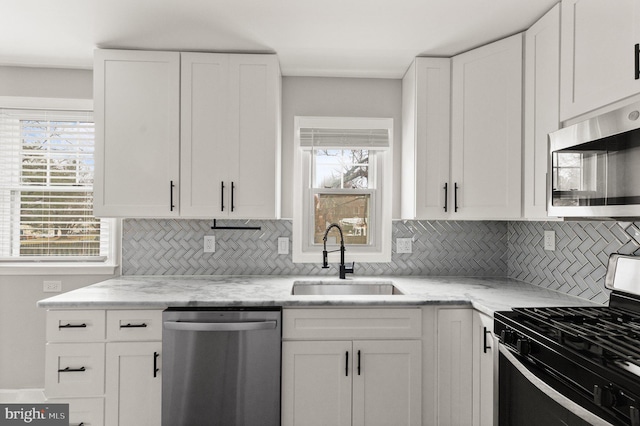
(594, 167)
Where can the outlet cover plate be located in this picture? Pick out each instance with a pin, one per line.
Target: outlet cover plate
(209, 244)
(403, 245)
(283, 245)
(52, 286)
(550, 240)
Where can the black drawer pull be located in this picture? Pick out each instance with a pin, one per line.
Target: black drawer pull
(358, 363)
(155, 364)
(346, 363)
(129, 325)
(233, 189)
(485, 346)
(446, 191)
(72, 370)
(171, 205)
(222, 196)
(83, 325)
(455, 197)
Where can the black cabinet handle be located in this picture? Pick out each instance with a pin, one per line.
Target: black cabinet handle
(222, 196)
(346, 363)
(484, 345)
(233, 187)
(637, 60)
(129, 325)
(455, 197)
(446, 190)
(358, 362)
(83, 325)
(171, 186)
(72, 370)
(155, 364)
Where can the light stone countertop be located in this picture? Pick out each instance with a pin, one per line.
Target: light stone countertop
(158, 292)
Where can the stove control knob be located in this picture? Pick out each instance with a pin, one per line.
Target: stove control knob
(508, 336)
(604, 396)
(524, 346)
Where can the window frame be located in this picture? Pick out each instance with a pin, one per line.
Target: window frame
(379, 247)
(67, 265)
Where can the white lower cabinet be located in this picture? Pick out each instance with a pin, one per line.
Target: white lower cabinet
(347, 381)
(485, 362)
(133, 383)
(454, 367)
(316, 389)
(105, 365)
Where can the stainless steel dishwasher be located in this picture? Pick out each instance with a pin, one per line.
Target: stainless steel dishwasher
(221, 367)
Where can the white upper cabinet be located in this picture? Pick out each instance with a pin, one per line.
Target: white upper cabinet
(598, 62)
(486, 131)
(426, 96)
(187, 134)
(230, 141)
(541, 108)
(137, 121)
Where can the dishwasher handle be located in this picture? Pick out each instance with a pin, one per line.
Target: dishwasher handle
(220, 326)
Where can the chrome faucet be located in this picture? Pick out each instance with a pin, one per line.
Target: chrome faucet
(325, 258)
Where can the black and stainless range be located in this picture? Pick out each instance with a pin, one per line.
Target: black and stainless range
(574, 365)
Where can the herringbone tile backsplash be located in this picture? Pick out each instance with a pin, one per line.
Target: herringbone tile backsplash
(452, 248)
(578, 265)
(175, 247)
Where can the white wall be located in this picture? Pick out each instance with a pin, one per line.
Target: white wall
(22, 332)
(46, 82)
(338, 97)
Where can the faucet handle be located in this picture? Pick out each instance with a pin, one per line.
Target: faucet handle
(351, 269)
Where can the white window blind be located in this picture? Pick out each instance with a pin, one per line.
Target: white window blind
(46, 187)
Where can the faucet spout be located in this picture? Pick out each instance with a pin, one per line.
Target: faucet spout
(325, 254)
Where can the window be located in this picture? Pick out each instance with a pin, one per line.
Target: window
(340, 166)
(46, 189)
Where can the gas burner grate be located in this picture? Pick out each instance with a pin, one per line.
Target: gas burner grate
(608, 334)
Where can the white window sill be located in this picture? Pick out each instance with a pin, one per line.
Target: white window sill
(62, 268)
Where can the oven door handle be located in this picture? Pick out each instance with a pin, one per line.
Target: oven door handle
(565, 402)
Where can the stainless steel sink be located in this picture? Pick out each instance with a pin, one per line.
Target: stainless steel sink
(342, 288)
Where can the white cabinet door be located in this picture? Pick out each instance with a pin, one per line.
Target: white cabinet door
(387, 385)
(541, 108)
(486, 131)
(254, 135)
(485, 358)
(230, 145)
(133, 383)
(598, 55)
(454, 376)
(316, 383)
(206, 153)
(137, 133)
(426, 97)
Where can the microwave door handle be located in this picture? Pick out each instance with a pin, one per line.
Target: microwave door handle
(565, 402)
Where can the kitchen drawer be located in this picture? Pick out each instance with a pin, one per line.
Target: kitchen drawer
(75, 326)
(83, 411)
(134, 325)
(335, 323)
(74, 369)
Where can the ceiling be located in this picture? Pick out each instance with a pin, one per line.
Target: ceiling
(347, 38)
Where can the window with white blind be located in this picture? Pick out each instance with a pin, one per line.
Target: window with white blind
(46, 188)
(343, 176)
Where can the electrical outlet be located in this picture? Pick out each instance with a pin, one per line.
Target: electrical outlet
(283, 245)
(403, 245)
(209, 244)
(550, 240)
(52, 286)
